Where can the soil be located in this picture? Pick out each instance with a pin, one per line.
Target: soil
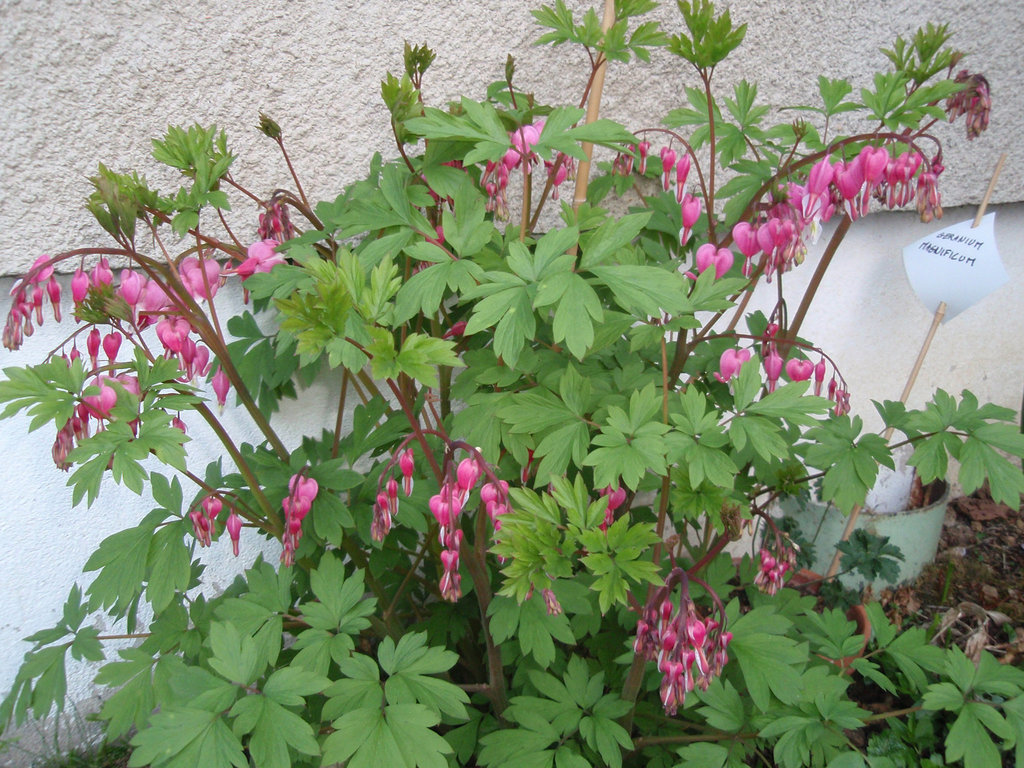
(973, 593)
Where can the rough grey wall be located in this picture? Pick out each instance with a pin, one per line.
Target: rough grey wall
(91, 81)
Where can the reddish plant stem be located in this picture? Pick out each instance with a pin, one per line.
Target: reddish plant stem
(291, 170)
(476, 564)
(709, 205)
(417, 430)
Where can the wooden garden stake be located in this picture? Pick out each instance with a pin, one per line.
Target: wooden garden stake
(939, 314)
(593, 110)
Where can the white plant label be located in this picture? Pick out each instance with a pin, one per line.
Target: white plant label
(959, 265)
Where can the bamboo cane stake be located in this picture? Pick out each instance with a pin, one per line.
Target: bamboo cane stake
(940, 312)
(593, 110)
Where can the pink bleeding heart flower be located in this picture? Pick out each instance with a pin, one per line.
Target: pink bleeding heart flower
(92, 345)
(643, 148)
(221, 385)
(212, 505)
(668, 161)
(720, 258)
(799, 370)
(730, 362)
(101, 273)
(819, 376)
(111, 345)
(616, 497)
(457, 329)
(690, 209)
(467, 474)
(773, 368)
(154, 299)
(130, 287)
(101, 404)
(172, 333)
(201, 279)
(407, 464)
(745, 237)
(79, 286)
(682, 171)
(261, 258)
(234, 529)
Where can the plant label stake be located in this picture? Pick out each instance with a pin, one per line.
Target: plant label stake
(949, 270)
(957, 266)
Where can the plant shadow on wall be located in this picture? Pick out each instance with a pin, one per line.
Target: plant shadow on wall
(514, 554)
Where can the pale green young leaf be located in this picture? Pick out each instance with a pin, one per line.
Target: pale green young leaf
(421, 355)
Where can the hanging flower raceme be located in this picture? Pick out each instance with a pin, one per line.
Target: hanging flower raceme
(386, 506)
(562, 168)
(447, 505)
(27, 306)
(974, 100)
(689, 649)
(494, 497)
(927, 197)
(63, 444)
(302, 491)
(204, 519)
(774, 567)
(275, 223)
(520, 155)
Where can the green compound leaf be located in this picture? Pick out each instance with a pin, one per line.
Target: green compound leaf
(410, 665)
(235, 656)
(185, 738)
(398, 736)
(274, 730)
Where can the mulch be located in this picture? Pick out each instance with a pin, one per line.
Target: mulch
(973, 593)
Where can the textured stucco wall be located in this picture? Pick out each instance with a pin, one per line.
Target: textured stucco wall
(88, 82)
